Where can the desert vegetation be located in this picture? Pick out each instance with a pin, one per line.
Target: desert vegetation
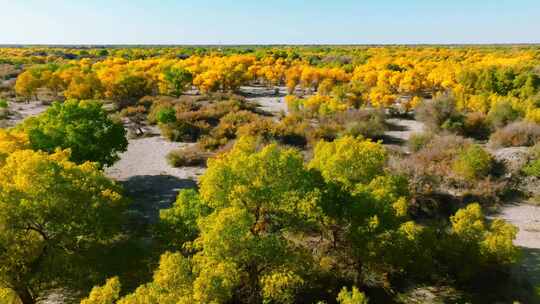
(343, 174)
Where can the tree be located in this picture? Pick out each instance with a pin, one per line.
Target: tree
(106, 294)
(27, 84)
(81, 126)
(349, 161)
(250, 200)
(51, 210)
(177, 80)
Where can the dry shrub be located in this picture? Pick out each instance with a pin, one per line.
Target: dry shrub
(516, 134)
(438, 112)
(417, 141)
(476, 126)
(452, 165)
(367, 123)
(189, 157)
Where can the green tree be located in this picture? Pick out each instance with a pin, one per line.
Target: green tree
(349, 161)
(252, 200)
(51, 210)
(81, 126)
(106, 294)
(177, 80)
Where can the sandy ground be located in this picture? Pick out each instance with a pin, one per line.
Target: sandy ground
(527, 219)
(22, 110)
(400, 132)
(404, 128)
(148, 179)
(267, 98)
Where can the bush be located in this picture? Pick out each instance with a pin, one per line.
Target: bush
(516, 134)
(3, 104)
(533, 167)
(476, 126)
(184, 130)
(439, 113)
(472, 163)
(190, 157)
(364, 123)
(502, 113)
(166, 115)
(417, 141)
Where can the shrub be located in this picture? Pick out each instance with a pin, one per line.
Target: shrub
(502, 113)
(3, 104)
(438, 112)
(184, 130)
(533, 167)
(476, 126)
(365, 123)
(472, 163)
(190, 157)
(417, 141)
(516, 134)
(533, 115)
(166, 115)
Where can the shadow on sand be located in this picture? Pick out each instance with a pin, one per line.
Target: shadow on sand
(150, 193)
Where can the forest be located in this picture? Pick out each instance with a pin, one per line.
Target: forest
(269, 174)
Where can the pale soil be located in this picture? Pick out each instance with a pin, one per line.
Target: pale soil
(405, 128)
(527, 219)
(20, 111)
(147, 177)
(266, 98)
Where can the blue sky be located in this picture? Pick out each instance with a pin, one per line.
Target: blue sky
(269, 21)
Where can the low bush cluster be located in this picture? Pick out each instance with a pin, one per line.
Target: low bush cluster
(516, 134)
(188, 157)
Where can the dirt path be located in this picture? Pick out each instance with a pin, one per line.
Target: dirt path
(527, 219)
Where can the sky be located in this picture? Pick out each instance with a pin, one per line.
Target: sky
(269, 21)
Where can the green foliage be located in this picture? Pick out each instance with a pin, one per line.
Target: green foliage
(81, 126)
(418, 141)
(179, 223)
(348, 161)
(478, 245)
(351, 297)
(166, 115)
(51, 210)
(533, 167)
(472, 163)
(177, 79)
(502, 113)
(107, 294)
(247, 199)
(3, 103)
